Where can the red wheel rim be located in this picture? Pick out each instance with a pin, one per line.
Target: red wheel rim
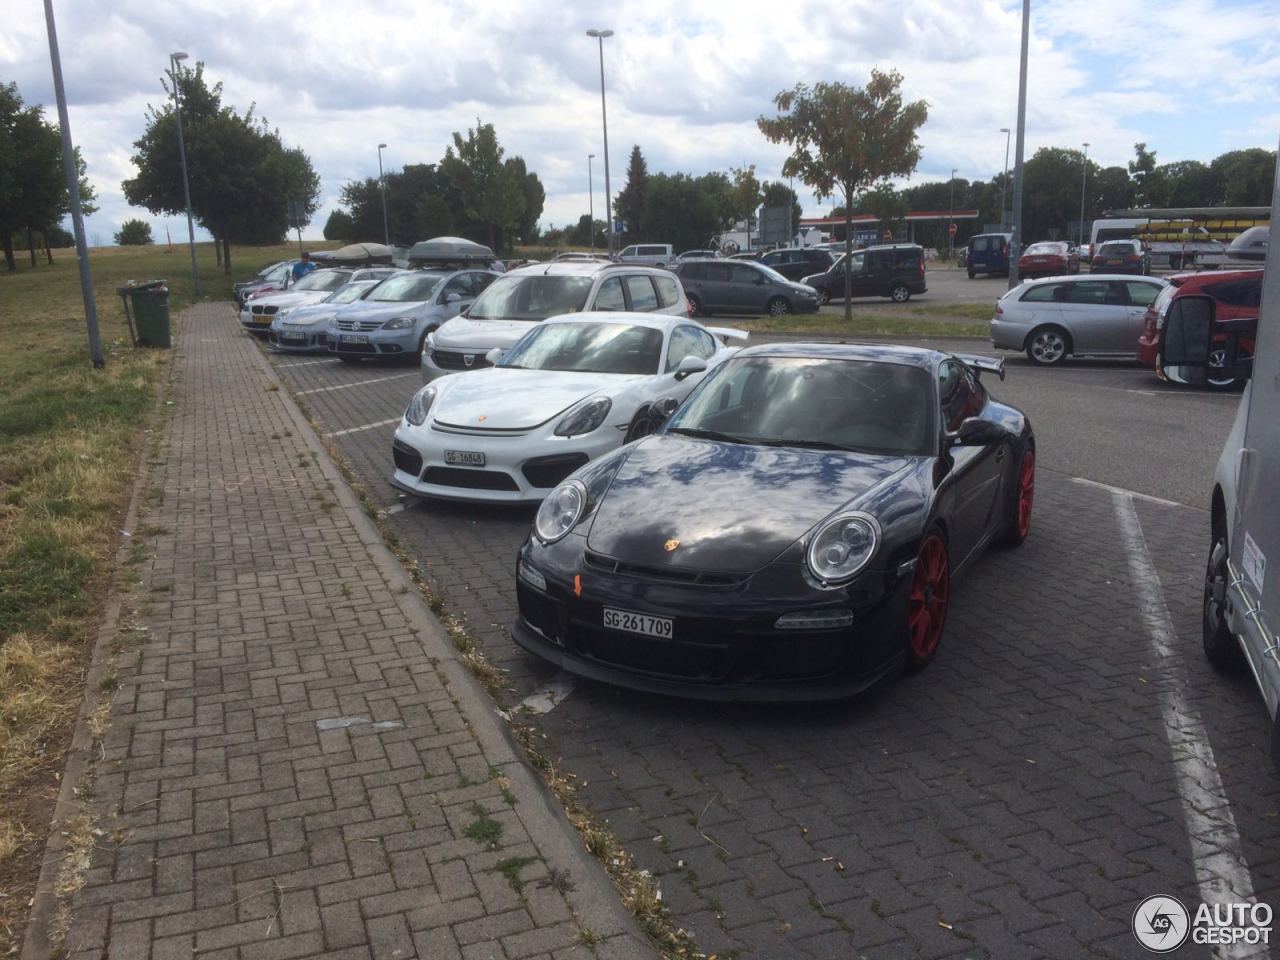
(1026, 492)
(930, 590)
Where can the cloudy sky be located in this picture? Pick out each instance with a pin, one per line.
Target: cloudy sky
(685, 81)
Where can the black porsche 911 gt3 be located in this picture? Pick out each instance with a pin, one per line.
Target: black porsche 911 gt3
(791, 533)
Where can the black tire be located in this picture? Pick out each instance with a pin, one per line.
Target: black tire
(972, 274)
(642, 425)
(778, 307)
(695, 306)
(347, 358)
(824, 297)
(899, 292)
(1221, 647)
(1048, 345)
(1014, 531)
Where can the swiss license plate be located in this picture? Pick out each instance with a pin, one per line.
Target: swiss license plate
(1112, 263)
(293, 335)
(353, 338)
(467, 458)
(640, 623)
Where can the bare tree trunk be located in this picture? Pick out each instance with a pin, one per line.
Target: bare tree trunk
(226, 257)
(217, 250)
(6, 241)
(31, 246)
(848, 256)
(48, 249)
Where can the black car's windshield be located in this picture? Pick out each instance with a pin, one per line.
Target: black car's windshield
(531, 297)
(405, 287)
(323, 280)
(864, 405)
(350, 292)
(588, 347)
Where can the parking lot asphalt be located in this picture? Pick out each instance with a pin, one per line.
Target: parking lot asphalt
(1019, 798)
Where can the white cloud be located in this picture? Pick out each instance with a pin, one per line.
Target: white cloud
(685, 81)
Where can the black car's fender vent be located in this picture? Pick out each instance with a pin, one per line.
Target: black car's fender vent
(703, 579)
(469, 479)
(406, 458)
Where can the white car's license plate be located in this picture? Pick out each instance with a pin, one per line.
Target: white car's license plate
(637, 623)
(464, 457)
(293, 335)
(353, 338)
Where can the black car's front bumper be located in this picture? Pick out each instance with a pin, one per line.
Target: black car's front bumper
(726, 644)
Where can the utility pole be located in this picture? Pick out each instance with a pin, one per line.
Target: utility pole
(382, 188)
(1015, 245)
(1004, 210)
(591, 205)
(951, 219)
(600, 35)
(1084, 180)
(73, 191)
(174, 60)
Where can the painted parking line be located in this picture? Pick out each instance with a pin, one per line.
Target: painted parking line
(1222, 874)
(290, 364)
(367, 426)
(1121, 491)
(358, 383)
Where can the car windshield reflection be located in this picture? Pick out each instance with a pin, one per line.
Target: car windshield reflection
(588, 348)
(821, 404)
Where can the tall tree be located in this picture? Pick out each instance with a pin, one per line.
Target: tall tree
(339, 226)
(526, 228)
(1142, 170)
(134, 233)
(1246, 176)
(492, 196)
(887, 205)
(629, 205)
(682, 210)
(846, 140)
(745, 193)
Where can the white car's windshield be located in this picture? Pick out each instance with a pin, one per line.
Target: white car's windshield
(350, 292)
(815, 403)
(323, 280)
(531, 297)
(406, 287)
(588, 348)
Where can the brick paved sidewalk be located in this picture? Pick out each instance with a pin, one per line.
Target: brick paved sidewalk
(297, 764)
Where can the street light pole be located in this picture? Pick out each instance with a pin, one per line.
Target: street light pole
(1084, 179)
(951, 219)
(1015, 245)
(174, 60)
(591, 205)
(600, 35)
(1004, 220)
(73, 193)
(382, 188)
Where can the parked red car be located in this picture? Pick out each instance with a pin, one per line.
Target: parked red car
(1237, 293)
(1050, 258)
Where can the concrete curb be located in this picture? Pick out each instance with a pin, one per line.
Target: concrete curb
(594, 900)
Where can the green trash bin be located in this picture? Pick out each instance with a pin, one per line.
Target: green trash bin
(150, 302)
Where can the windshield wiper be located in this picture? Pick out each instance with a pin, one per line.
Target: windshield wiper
(808, 444)
(708, 435)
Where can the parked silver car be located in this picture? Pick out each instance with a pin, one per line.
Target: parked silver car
(1057, 317)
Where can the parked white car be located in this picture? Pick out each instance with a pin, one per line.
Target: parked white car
(258, 312)
(521, 298)
(571, 390)
(305, 329)
(1099, 315)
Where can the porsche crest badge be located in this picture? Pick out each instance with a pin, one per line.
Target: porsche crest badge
(481, 419)
(670, 545)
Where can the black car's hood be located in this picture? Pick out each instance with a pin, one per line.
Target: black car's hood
(733, 507)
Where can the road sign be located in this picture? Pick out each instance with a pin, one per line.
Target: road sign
(619, 226)
(297, 215)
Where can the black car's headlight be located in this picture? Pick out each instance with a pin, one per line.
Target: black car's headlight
(560, 512)
(841, 547)
(416, 412)
(585, 418)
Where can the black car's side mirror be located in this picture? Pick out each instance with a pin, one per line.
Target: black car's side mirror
(976, 432)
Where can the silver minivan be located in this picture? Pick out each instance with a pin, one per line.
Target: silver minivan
(648, 254)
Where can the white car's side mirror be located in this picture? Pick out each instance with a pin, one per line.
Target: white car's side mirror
(494, 355)
(690, 365)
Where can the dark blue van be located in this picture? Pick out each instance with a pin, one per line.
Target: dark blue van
(988, 253)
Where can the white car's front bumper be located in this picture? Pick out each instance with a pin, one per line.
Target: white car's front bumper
(518, 467)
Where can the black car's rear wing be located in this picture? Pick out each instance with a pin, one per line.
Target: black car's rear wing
(980, 365)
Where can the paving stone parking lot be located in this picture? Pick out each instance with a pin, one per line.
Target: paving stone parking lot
(297, 764)
(1017, 799)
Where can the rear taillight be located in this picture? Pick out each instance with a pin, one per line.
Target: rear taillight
(688, 309)
(999, 309)
(922, 266)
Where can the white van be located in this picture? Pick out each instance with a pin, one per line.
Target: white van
(648, 254)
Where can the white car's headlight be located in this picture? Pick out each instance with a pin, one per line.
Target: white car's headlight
(841, 547)
(416, 412)
(585, 418)
(560, 512)
(398, 323)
